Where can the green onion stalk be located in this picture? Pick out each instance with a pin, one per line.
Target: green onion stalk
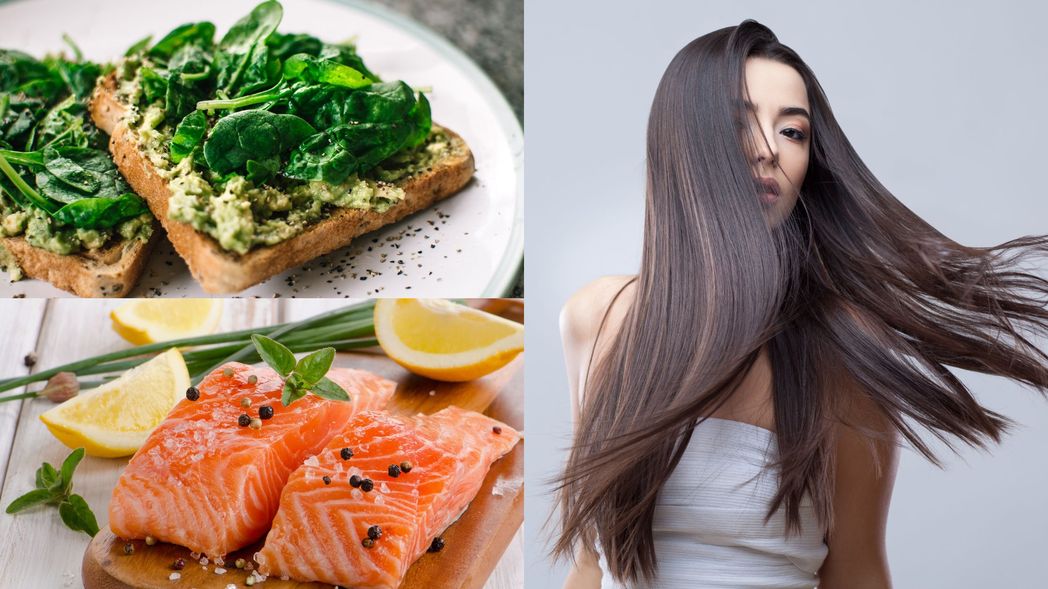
(344, 329)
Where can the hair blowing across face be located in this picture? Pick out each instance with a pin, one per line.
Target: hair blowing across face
(853, 295)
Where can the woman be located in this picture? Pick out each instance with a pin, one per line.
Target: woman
(740, 401)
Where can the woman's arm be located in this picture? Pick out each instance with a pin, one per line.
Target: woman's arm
(579, 323)
(864, 479)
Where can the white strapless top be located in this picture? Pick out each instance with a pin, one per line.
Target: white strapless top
(709, 525)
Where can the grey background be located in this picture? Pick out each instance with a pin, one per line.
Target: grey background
(945, 102)
(491, 32)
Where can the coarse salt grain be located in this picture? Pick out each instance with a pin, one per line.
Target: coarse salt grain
(220, 571)
(174, 576)
(204, 560)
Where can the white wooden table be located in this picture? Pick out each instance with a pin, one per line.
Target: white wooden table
(36, 549)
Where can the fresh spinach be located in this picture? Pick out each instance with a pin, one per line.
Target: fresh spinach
(242, 60)
(200, 35)
(102, 212)
(253, 135)
(323, 71)
(188, 135)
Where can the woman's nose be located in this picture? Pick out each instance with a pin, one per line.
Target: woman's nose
(765, 148)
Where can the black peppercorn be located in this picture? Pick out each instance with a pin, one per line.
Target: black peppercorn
(244, 420)
(192, 393)
(497, 430)
(393, 470)
(354, 481)
(346, 454)
(129, 548)
(367, 485)
(374, 532)
(265, 412)
(406, 466)
(179, 564)
(327, 480)
(437, 545)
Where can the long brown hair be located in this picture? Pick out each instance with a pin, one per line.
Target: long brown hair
(852, 285)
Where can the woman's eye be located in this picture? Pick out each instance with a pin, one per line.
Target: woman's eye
(795, 134)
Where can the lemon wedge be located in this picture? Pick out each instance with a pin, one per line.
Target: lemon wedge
(145, 321)
(443, 340)
(115, 419)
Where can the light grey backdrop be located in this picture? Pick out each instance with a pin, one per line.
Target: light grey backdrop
(947, 105)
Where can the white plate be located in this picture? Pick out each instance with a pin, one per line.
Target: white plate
(471, 244)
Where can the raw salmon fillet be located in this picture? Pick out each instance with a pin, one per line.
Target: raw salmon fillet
(319, 531)
(207, 483)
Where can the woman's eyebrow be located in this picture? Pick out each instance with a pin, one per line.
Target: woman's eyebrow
(784, 111)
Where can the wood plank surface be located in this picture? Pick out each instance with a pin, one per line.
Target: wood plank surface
(67, 330)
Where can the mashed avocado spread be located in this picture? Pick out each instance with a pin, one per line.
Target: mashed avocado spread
(41, 231)
(241, 215)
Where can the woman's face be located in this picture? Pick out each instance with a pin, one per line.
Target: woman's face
(780, 126)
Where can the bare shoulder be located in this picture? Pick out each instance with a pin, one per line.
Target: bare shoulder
(581, 315)
(580, 326)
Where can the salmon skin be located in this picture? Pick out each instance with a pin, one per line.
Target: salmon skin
(207, 483)
(320, 529)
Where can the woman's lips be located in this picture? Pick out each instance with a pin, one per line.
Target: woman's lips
(770, 190)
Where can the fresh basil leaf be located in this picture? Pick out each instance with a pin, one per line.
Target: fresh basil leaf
(294, 389)
(188, 135)
(46, 476)
(30, 499)
(329, 389)
(78, 516)
(69, 467)
(313, 367)
(275, 354)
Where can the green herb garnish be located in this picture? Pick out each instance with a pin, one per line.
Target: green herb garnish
(302, 376)
(55, 487)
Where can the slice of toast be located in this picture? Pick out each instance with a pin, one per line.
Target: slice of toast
(111, 271)
(221, 271)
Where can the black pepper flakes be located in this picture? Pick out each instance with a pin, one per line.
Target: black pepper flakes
(406, 466)
(244, 420)
(367, 485)
(393, 470)
(179, 564)
(496, 430)
(129, 548)
(354, 481)
(374, 532)
(326, 479)
(346, 454)
(437, 545)
(192, 393)
(265, 412)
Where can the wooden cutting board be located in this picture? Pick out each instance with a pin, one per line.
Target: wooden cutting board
(474, 543)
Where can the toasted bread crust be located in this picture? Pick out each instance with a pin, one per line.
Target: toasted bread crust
(221, 271)
(111, 271)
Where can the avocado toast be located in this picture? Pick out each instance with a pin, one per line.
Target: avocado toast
(263, 151)
(66, 214)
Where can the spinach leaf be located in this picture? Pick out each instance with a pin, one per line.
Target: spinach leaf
(80, 77)
(101, 213)
(340, 151)
(261, 171)
(73, 173)
(326, 106)
(346, 54)
(200, 34)
(139, 46)
(188, 135)
(325, 71)
(284, 46)
(154, 85)
(252, 135)
(21, 117)
(18, 69)
(243, 57)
